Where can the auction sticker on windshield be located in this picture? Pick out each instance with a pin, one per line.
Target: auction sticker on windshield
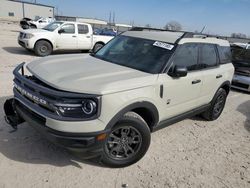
(163, 45)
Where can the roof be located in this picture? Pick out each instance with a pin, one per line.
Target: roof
(164, 36)
(38, 4)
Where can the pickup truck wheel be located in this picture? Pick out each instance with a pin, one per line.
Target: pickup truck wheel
(217, 105)
(43, 48)
(127, 142)
(97, 47)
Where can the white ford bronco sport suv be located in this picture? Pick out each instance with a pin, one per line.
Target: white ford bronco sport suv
(106, 104)
(61, 36)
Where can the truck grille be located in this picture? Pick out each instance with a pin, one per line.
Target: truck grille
(21, 35)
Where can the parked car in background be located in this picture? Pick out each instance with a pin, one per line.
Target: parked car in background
(62, 36)
(27, 23)
(241, 62)
(107, 32)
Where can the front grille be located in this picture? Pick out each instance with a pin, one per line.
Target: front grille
(242, 73)
(238, 84)
(21, 35)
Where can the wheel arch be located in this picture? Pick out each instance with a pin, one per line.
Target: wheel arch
(145, 109)
(43, 39)
(99, 42)
(225, 85)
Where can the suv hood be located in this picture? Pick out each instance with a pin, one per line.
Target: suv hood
(87, 74)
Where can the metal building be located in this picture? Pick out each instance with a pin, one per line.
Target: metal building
(16, 10)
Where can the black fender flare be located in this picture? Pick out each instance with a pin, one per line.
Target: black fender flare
(143, 104)
(225, 84)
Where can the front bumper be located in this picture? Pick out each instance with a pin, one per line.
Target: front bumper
(79, 135)
(241, 82)
(86, 143)
(26, 43)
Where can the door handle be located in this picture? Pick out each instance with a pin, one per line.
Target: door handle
(196, 81)
(73, 36)
(87, 36)
(218, 76)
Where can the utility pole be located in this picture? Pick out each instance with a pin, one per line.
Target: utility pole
(113, 17)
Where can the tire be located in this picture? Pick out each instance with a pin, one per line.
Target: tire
(127, 142)
(43, 48)
(217, 105)
(97, 47)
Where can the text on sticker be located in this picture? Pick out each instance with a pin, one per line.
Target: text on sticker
(163, 45)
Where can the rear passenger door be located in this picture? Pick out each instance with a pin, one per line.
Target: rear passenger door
(212, 74)
(180, 94)
(84, 38)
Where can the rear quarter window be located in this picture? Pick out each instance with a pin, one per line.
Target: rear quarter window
(225, 54)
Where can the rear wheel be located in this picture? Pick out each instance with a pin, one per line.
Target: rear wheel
(217, 105)
(97, 47)
(127, 142)
(43, 48)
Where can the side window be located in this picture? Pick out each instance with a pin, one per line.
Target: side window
(208, 57)
(224, 54)
(186, 56)
(11, 14)
(82, 29)
(68, 29)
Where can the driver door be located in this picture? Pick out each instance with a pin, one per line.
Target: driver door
(180, 94)
(67, 37)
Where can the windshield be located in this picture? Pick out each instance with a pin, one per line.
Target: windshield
(52, 26)
(141, 54)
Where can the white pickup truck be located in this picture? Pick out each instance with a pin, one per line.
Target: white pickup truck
(61, 36)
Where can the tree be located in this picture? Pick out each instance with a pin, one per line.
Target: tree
(238, 35)
(148, 25)
(173, 25)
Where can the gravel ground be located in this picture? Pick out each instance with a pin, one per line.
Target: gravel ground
(191, 153)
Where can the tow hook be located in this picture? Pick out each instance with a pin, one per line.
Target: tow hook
(11, 117)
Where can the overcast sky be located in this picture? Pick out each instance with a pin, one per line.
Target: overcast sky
(219, 16)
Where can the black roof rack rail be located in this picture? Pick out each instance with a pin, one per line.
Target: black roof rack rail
(186, 34)
(151, 29)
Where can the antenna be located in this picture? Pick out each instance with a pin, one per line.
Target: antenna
(203, 29)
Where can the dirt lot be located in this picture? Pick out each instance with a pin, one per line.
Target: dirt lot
(191, 153)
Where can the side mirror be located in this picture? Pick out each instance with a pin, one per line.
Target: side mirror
(60, 31)
(179, 71)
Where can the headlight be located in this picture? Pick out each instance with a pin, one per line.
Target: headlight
(88, 108)
(28, 36)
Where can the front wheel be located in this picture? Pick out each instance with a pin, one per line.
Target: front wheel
(43, 48)
(217, 105)
(127, 142)
(97, 47)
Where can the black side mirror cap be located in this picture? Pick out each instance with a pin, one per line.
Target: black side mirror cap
(179, 71)
(60, 31)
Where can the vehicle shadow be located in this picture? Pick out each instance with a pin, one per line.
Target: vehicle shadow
(18, 50)
(28, 146)
(244, 108)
